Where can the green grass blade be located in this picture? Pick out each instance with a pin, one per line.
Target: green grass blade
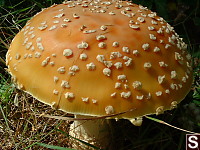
(42, 137)
(16, 12)
(23, 20)
(154, 119)
(53, 147)
(12, 7)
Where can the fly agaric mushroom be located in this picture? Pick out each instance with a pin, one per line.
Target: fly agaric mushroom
(97, 58)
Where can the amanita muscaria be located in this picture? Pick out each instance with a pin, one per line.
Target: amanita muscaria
(97, 58)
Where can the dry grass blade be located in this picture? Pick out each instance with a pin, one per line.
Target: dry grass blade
(7, 125)
(3, 61)
(165, 123)
(91, 118)
(4, 43)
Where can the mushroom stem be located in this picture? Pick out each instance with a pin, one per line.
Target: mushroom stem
(95, 132)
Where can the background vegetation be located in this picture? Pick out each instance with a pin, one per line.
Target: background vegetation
(21, 128)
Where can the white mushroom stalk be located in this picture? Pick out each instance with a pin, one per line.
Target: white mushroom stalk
(97, 58)
(96, 132)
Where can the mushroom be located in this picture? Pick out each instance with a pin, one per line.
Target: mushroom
(97, 58)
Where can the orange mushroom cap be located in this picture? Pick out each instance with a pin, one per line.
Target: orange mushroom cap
(101, 57)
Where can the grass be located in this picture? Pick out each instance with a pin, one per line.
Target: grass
(22, 128)
(19, 126)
